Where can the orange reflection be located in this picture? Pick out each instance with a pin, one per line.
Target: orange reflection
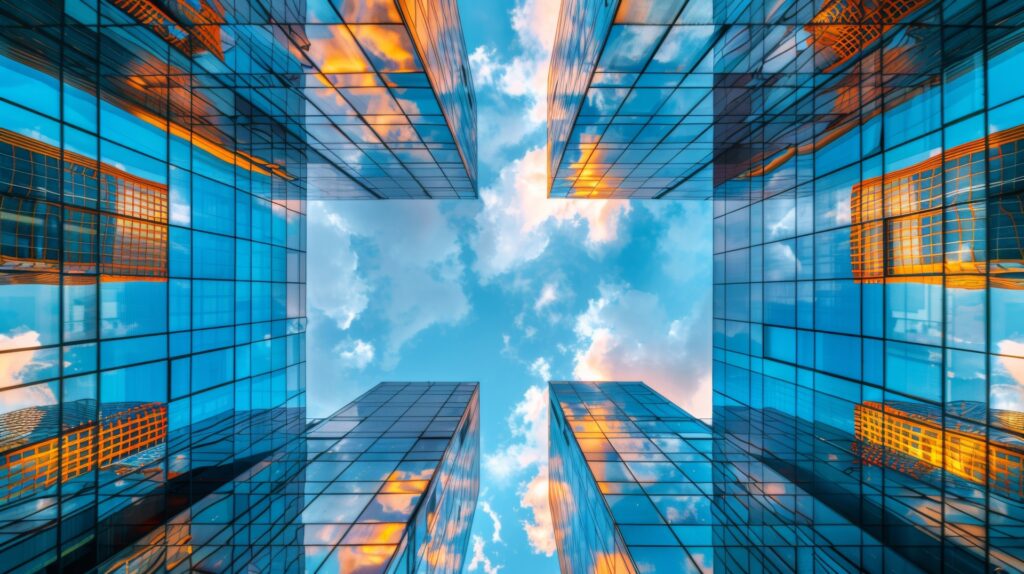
(847, 27)
(26, 468)
(405, 487)
(370, 12)
(389, 533)
(923, 238)
(337, 52)
(398, 503)
(363, 559)
(583, 426)
(237, 158)
(395, 133)
(191, 26)
(963, 449)
(132, 228)
(390, 45)
(173, 538)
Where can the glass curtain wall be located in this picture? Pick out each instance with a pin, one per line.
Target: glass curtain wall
(388, 484)
(868, 274)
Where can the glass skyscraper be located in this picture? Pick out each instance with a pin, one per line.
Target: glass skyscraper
(863, 161)
(630, 481)
(155, 164)
(388, 483)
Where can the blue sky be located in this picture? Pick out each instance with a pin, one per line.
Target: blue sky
(511, 291)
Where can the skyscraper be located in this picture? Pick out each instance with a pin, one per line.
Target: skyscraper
(629, 481)
(862, 162)
(155, 163)
(387, 484)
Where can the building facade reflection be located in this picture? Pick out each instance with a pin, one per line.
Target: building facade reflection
(963, 450)
(388, 483)
(630, 481)
(28, 464)
(155, 164)
(863, 163)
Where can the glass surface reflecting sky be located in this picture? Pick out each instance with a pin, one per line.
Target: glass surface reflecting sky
(185, 307)
(862, 162)
(387, 484)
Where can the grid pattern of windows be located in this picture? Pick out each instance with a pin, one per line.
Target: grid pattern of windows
(389, 102)
(867, 340)
(961, 449)
(153, 180)
(630, 481)
(630, 102)
(388, 484)
(865, 164)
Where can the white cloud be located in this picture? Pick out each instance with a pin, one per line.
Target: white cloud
(355, 354)
(626, 335)
(535, 21)
(528, 426)
(514, 226)
(485, 507)
(416, 274)
(485, 67)
(1007, 383)
(548, 295)
(15, 366)
(480, 559)
(533, 496)
(21, 340)
(541, 368)
(525, 74)
(335, 287)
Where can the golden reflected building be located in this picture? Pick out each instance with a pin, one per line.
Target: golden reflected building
(962, 448)
(863, 161)
(901, 231)
(156, 159)
(28, 463)
(128, 214)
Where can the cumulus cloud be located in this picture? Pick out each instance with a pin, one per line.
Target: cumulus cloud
(485, 507)
(483, 61)
(528, 427)
(511, 81)
(337, 290)
(541, 368)
(18, 340)
(548, 295)
(355, 354)
(480, 558)
(514, 227)
(1007, 385)
(16, 366)
(626, 334)
(416, 274)
(525, 73)
(533, 496)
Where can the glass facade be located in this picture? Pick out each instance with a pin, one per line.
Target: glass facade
(388, 484)
(630, 481)
(868, 259)
(156, 159)
(863, 161)
(630, 102)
